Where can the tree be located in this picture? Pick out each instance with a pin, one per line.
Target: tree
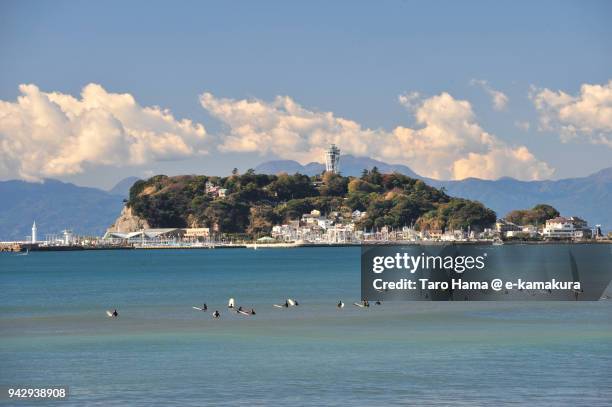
(261, 220)
(287, 187)
(334, 185)
(537, 215)
(374, 177)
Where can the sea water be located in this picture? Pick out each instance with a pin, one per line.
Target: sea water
(162, 352)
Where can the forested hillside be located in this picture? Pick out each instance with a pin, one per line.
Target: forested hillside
(253, 203)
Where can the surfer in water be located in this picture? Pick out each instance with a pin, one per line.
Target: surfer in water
(286, 305)
(366, 303)
(216, 314)
(340, 304)
(252, 311)
(115, 314)
(378, 302)
(204, 307)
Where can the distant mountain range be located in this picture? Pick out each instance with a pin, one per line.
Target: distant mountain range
(587, 197)
(349, 166)
(123, 187)
(56, 205)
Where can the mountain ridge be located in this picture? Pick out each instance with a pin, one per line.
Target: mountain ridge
(349, 166)
(55, 205)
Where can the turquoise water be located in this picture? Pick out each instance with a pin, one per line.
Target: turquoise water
(161, 352)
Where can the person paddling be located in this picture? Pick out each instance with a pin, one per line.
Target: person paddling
(216, 314)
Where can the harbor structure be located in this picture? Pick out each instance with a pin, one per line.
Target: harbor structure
(332, 159)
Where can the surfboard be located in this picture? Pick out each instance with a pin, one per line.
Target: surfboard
(279, 306)
(290, 302)
(358, 305)
(243, 312)
(109, 313)
(199, 309)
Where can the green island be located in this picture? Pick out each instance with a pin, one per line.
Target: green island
(249, 205)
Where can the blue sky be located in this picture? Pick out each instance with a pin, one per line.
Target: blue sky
(350, 58)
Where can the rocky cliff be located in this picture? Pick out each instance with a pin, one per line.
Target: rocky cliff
(128, 222)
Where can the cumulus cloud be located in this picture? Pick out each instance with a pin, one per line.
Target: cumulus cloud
(587, 115)
(448, 144)
(53, 134)
(499, 98)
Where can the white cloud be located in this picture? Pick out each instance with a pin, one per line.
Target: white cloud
(588, 114)
(499, 99)
(449, 143)
(410, 100)
(54, 134)
(524, 164)
(523, 125)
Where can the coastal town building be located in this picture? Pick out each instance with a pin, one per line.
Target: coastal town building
(524, 231)
(215, 190)
(195, 234)
(502, 226)
(568, 228)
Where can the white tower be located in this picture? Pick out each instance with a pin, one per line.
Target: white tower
(34, 232)
(332, 159)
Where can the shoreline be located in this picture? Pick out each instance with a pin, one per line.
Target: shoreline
(256, 246)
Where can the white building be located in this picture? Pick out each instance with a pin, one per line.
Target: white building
(357, 214)
(332, 159)
(566, 228)
(324, 223)
(34, 230)
(159, 235)
(68, 237)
